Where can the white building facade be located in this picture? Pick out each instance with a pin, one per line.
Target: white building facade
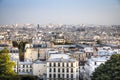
(24, 68)
(92, 64)
(39, 69)
(61, 66)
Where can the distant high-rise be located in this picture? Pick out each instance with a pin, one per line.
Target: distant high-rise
(38, 26)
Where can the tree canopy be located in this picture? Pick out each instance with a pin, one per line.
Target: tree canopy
(21, 47)
(99, 41)
(6, 66)
(108, 71)
(15, 43)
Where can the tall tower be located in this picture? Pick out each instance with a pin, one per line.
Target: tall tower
(38, 26)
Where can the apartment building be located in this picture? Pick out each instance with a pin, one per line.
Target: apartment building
(61, 66)
(14, 54)
(24, 68)
(92, 64)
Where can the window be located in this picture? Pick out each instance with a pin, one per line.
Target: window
(71, 64)
(30, 70)
(67, 65)
(26, 70)
(58, 64)
(54, 70)
(83, 67)
(67, 75)
(30, 66)
(62, 70)
(50, 75)
(95, 63)
(67, 69)
(50, 70)
(23, 70)
(62, 75)
(71, 69)
(58, 75)
(54, 76)
(23, 66)
(50, 64)
(54, 64)
(19, 70)
(58, 69)
(71, 75)
(63, 64)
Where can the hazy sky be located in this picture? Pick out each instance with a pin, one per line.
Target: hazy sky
(60, 11)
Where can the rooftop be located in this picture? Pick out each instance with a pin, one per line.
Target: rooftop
(100, 59)
(61, 58)
(106, 52)
(25, 63)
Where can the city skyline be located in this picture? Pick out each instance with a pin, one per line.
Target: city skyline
(104, 12)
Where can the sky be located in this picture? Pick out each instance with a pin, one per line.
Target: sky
(103, 12)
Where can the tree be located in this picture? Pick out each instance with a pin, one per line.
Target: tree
(6, 66)
(15, 44)
(108, 71)
(21, 47)
(99, 41)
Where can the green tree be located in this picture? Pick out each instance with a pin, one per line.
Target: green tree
(21, 47)
(99, 41)
(15, 43)
(6, 66)
(108, 71)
